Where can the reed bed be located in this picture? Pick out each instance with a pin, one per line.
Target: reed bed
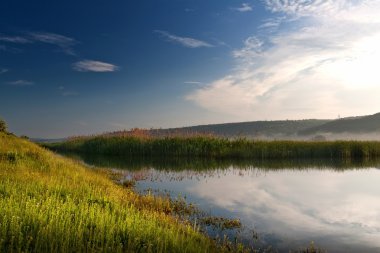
(214, 147)
(53, 204)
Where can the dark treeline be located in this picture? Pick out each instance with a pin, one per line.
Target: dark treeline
(213, 147)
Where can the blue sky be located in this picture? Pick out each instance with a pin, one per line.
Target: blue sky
(80, 67)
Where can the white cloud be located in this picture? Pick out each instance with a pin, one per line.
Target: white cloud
(323, 66)
(65, 43)
(184, 41)
(21, 83)
(94, 66)
(310, 7)
(244, 7)
(252, 48)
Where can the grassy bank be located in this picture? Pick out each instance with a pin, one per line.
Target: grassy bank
(213, 147)
(53, 204)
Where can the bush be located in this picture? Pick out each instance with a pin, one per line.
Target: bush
(3, 126)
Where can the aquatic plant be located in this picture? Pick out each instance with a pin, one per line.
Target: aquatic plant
(214, 147)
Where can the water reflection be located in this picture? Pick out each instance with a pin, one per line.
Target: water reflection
(339, 211)
(288, 203)
(201, 164)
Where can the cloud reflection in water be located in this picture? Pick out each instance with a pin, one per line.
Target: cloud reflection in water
(331, 208)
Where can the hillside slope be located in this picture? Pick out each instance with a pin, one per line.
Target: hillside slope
(52, 204)
(353, 125)
(257, 128)
(254, 129)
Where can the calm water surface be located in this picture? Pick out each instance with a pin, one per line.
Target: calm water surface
(288, 207)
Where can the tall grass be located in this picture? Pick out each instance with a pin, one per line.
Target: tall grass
(52, 204)
(214, 147)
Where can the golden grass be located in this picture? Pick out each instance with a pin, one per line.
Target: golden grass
(52, 204)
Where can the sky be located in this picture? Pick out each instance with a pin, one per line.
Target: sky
(84, 67)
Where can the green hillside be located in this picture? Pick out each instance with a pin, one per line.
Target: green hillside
(52, 204)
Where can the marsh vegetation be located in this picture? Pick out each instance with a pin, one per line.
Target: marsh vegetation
(219, 148)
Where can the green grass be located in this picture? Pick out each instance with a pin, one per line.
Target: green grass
(53, 204)
(214, 147)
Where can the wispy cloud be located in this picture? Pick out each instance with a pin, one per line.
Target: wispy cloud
(21, 83)
(326, 63)
(2, 71)
(65, 43)
(184, 41)
(252, 48)
(312, 7)
(272, 24)
(192, 82)
(244, 7)
(94, 66)
(14, 39)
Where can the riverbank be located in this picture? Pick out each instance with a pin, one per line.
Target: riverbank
(52, 204)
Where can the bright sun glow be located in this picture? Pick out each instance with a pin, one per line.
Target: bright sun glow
(360, 69)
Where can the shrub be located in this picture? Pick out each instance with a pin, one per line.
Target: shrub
(3, 126)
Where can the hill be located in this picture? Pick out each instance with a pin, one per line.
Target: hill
(254, 129)
(360, 127)
(352, 125)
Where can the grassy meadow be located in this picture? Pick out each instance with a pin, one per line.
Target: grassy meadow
(215, 147)
(53, 204)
